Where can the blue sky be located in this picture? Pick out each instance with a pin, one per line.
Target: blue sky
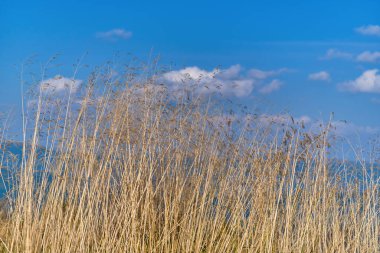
(309, 58)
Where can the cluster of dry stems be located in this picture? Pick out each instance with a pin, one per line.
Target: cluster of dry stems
(135, 170)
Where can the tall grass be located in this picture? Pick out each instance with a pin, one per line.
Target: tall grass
(138, 170)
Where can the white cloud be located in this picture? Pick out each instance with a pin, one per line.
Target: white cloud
(368, 82)
(60, 84)
(272, 86)
(226, 81)
(343, 128)
(281, 119)
(339, 128)
(239, 88)
(368, 56)
(233, 81)
(336, 54)
(262, 74)
(320, 76)
(304, 119)
(114, 34)
(232, 72)
(372, 30)
(193, 73)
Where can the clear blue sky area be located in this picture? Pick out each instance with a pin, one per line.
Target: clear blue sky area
(310, 58)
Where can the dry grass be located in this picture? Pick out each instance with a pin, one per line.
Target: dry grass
(136, 171)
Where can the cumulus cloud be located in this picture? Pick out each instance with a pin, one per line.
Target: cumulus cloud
(228, 81)
(338, 127)
(114, 34)
(194, 73)
(336, 54)
(60, 84)
(368, 56)
(262, 74)
(346, 129)
(371, 30)
(285, 119)
(271, 87)
(233, 81)
(232, 72)
(320, 76)
(368, 82)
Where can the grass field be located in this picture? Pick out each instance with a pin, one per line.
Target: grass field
(136, 169)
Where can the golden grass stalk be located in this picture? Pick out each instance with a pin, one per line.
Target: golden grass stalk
(136, 170)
